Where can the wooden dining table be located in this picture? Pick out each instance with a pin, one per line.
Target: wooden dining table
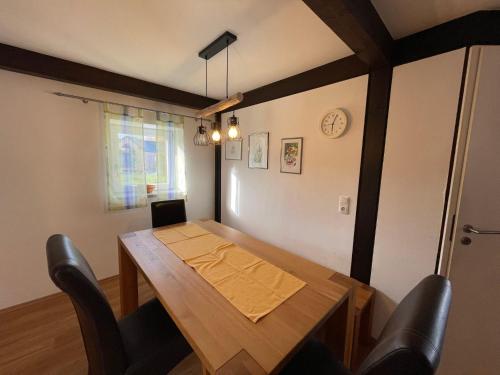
(225, 341)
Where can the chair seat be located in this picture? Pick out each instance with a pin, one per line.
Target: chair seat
(314, 358)
(152, 341)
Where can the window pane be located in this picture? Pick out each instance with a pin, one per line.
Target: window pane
(125, 164)
(141, 154)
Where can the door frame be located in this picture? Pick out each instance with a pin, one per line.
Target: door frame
(452, 206)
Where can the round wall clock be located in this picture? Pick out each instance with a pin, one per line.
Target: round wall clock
(334, 124)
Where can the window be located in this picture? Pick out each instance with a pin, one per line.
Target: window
(145, 157)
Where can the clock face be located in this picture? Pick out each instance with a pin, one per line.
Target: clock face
(334, 124)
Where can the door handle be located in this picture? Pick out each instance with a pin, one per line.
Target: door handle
(470, 229)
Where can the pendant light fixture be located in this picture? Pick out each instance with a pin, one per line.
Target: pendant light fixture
(216, 136)
(233, 129)
(201, 137)
(211, 50)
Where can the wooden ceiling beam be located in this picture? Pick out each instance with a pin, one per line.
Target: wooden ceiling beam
(336, 71)
(478, 28)
(45, 66)
(359, 26)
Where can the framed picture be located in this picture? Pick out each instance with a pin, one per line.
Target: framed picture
(258, 149)
(291, 155)
(233, 149)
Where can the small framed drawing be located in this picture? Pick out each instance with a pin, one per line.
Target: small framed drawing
(291, 155)
(233, 149)
(258, 148)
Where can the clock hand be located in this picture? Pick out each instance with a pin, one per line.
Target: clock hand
(333, 122)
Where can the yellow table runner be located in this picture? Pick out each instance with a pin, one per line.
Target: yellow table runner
(197, 246)
(179, 233)
(254, 286)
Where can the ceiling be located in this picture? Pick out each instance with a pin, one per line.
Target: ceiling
(405, 17)
(159, 40)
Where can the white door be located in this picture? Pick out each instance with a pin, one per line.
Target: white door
(472, 344)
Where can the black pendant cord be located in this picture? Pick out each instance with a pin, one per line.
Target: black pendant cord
(227, 73)
(206, 87)
(206, 81)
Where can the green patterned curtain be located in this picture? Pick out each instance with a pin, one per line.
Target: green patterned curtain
(145, 157)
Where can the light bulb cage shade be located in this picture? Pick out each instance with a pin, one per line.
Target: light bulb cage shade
(201, 138)
(233, 130)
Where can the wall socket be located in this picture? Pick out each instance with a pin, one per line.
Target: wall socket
(344, 204)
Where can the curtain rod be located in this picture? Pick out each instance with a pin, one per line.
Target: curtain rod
(86, 100)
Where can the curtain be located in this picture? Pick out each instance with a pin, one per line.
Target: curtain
(145, 152)
(170, 176)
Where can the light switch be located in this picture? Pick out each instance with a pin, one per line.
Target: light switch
(344, 204)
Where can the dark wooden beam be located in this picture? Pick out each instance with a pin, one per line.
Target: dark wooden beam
(336, 71)
(372, 158)
(358, 24)
(479, 28)
(40, 65)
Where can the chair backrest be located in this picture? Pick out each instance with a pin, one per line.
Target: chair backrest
(168, 212)
(412, 339)
(69, 270)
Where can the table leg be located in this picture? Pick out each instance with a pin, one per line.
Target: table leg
(337, 332)
(129, 293)
(349, 322)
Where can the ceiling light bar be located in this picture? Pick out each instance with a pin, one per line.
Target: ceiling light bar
(217, 45)
(221, 106)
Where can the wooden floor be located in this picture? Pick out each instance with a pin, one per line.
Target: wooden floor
(43, 336)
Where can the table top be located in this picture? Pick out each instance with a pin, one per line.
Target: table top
(221, 336)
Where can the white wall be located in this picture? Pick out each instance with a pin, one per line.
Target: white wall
(421, 122)
(299, 212)
(52, 178)
(53, 181)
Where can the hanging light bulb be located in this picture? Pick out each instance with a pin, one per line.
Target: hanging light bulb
(201, 136)
(216, 136)
(233, 129)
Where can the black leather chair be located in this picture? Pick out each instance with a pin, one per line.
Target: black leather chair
(168, 212)
(410, 343)
(144, 342)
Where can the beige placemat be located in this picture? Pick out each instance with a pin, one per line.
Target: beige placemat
(254, 286)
